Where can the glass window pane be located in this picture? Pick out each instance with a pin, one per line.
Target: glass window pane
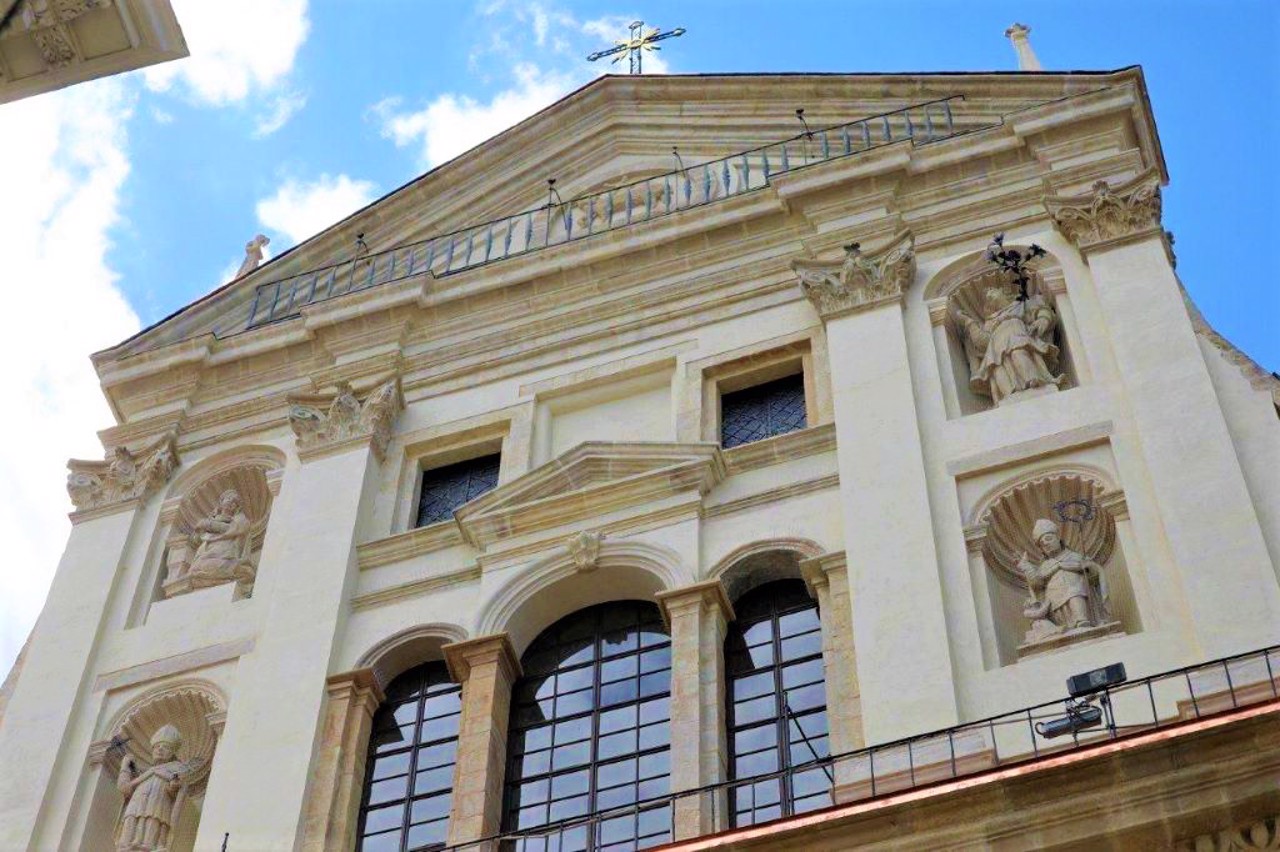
(573, 680)
(616, 797)
(807, 697)
(386, 791)
(392, 764)
(570, 784)
(438, 755)
(802, 646)
(439, 729)
(613, 774)
(616, 693)
(623, 667)
(432, 807)
(433, 779)
(382, 819)
(566, 808)
(655, 660)
(804, 621)
(654, 765)
(570, 755)
(387, 842)
(427, 834)
(754, 739)
(752, 686)
(802, 674)
(755, 710)
(446, 488)
(573, 730)
(655, 736)
(619, 719)
(616, 745)
(655, 711)
(655, 684)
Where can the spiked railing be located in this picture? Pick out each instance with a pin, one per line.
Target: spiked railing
(557, 223)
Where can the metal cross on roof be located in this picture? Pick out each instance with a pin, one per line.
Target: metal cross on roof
(635, 46)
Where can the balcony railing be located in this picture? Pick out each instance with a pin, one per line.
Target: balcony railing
(557, 223)
(1128, 710)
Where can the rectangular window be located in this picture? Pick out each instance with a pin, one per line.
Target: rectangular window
(762, 411)
(446, 488)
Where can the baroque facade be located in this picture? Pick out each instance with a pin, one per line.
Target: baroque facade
(745, 505)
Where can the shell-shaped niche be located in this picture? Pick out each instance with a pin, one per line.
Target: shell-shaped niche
(968, 296)
(249, 481)
(1073, 502)
(191, 709)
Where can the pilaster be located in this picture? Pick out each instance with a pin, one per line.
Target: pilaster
(896, 592)
(698, 616)
(333, 803)
(487, 668)
(827, 577)
(1207, 514)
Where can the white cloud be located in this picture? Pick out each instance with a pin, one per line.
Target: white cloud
(56, 220)
(237, 47)
(161, 116)
(299, 210)
(284, 108)
(453, 123)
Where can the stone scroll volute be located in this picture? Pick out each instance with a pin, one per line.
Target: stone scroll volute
(329, 422)
(862, 280)
(1107, 214)
(122, 479)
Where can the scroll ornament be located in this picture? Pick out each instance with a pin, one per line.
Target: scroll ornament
(123, 476)
(860, 281)
(1107, 213)
(327, 421)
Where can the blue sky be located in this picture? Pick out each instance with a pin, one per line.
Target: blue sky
(136, 194)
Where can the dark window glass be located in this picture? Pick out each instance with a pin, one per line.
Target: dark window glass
(409, 773)
(446, 488)
(776, 692)
(590, 732)
(762, 411)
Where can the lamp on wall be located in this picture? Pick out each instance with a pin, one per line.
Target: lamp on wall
(1081, 714)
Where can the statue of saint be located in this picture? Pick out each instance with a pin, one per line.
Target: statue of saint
(223, 551)
(1010, 348)
(1070, 583)
(154, 798)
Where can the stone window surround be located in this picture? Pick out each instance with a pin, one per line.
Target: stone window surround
(1054, 284)
(705, 379)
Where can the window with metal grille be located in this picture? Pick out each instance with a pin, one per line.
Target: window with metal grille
(762, 411)
(590, 732)
(777, 698)
(408, 787)
(446, 488)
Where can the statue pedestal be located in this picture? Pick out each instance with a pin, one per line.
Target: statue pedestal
(1029, 393)
(1079, 636)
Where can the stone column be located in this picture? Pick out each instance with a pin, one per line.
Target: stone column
(828, 580)
(893, 566)
(333, 804)
(1220, 556)
(487, 668)
(263, 774)
(698, 616)
(56, 671)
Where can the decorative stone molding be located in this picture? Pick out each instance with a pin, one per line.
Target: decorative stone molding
(584, 550)
(1106, 215)
(1261, 835)
(46, 22)
(123, 478)
(860, 281)
(326, 423)
(709, 594)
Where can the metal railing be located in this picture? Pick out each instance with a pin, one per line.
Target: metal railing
(559, 222)
(1129, 709)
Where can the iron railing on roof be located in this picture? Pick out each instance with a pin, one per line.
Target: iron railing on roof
(1128, 710)
(557, 222)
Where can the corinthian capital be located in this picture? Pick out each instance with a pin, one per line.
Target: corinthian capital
(122, 478)
(324, 423)
(1108, 214)
(860, 281)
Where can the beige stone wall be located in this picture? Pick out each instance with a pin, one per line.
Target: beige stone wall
(595, 369)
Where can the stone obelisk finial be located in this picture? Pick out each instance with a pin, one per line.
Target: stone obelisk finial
(1026, 56)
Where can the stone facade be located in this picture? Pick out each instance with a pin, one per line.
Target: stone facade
(268, 628)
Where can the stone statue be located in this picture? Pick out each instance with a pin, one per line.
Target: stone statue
(154, 798)
(1071, 583)
(1010, 347)
(222, 545)
(253, 254)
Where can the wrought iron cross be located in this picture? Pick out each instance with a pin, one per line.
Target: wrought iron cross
(1014, 262)
(635, 46)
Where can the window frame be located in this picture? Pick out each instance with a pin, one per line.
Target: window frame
(760, 383)
(415, 520)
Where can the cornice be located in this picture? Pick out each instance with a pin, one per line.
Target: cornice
(1107, 216)
(781, 448)
(861, 281)
(407, 545)
(773, 495)
(415, 588)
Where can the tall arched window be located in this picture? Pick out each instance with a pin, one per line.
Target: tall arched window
(777, 703)
(590, 731)
(409, 774)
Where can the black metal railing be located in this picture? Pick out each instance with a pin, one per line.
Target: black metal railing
(1129, 709)
(559, 222)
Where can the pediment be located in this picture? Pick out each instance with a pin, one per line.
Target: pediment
(591, 479)
(610, 132)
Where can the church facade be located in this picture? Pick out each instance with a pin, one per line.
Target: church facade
(745, 490)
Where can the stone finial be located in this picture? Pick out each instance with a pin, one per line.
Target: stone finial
(253, 254)
(122, 477)
(1027, 60)
(1107, 214)
(860, 281)
(330, 421)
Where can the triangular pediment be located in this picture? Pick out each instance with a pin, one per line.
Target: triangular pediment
(610, 132)
(593, 478)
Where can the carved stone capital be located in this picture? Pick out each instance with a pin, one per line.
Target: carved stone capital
(493, 652)
(862, 280)
(326, 423)
(1107, 215)
(707, 595)
(122, 479)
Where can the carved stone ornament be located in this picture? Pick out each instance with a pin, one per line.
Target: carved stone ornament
(1107, 214)
(584, 549)
(122, 477)
(329, 421)
(46, 22)
(1261, 835)
(860, 281)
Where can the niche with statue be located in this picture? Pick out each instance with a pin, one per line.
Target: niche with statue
(1056, 574)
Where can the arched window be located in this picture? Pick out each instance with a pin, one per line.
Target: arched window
(409, 774)
(590, 731)
(777, 703)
